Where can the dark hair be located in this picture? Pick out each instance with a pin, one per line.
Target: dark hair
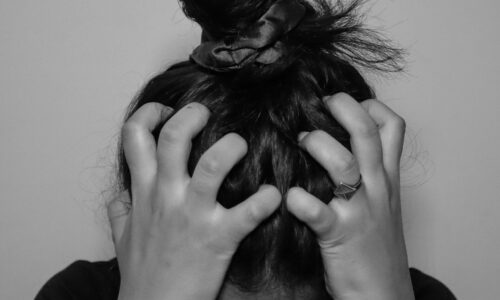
(328, 46)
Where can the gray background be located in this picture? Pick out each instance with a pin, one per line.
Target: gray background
(69, 68)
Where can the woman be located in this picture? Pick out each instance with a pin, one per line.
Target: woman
(258, 169)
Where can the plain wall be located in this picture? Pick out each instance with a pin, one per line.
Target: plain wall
(69, 68)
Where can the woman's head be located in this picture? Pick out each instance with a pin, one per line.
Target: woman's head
(268, 105)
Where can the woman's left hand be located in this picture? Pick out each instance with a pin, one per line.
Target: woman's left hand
(361, 239)
(177, 241)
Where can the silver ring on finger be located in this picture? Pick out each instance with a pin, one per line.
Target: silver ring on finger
(346, 191)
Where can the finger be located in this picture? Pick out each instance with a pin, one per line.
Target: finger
(213, 167)
(174, 143)
(331, 155)
(365, 139)
(392, 130)
(118, 212)
(317, 215)
(246, 216)
(139, 145)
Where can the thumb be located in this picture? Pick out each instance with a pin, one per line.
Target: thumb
(118, 211)
(317, 215)
(247, 215)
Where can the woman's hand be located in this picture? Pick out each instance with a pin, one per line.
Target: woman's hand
(361, 239)
(176, 241)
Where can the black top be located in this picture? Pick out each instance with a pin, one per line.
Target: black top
(83, 280)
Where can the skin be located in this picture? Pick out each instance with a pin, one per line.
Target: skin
(361, 240)
(176, 241)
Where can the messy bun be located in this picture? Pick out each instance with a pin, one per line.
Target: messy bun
(324, 51)
(237, 26)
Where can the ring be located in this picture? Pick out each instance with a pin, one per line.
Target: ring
(346, 191)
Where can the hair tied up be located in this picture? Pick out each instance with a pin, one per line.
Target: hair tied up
(259, 44)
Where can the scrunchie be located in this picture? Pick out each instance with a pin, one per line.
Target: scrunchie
(259, 44)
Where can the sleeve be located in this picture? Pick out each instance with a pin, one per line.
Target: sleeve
(82, 280)
(426, 287)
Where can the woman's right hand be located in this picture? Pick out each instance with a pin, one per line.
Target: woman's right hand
(361, 239)
(176, 241)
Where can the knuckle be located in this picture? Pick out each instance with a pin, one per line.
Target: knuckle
(184, 121)
(210, 165)
(253, 215)
(157, 110)
(314, 212)
(366, 128)
(171, 131)
(399, 123)
(130, 129)
(119, 206)
(307, 212)
(114, 206)
(369, 102)
(347, 164)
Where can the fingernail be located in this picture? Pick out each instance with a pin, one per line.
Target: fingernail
(265, 186)
(166, 112)
(335, 96)
(268, 187)
(302, 135)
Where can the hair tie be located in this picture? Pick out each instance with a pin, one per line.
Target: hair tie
(259, 44)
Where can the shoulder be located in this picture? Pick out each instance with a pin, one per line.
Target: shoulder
(429, 288)
(101, 281)
(83, 280)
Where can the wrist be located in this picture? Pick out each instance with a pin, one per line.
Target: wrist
(191, 280)
(399, 288)
(356, 281)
